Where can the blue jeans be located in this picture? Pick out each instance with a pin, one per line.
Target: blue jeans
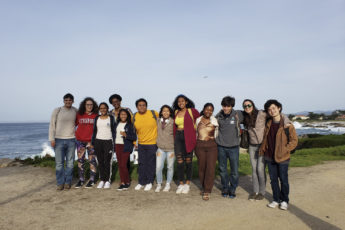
(280, 171)
(231, 153)
(160, 159)
(64, 151)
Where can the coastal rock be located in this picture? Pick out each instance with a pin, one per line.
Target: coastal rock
(6, 162)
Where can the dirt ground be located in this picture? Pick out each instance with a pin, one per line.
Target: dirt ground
(29, 200)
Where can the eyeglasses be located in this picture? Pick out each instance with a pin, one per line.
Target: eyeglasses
(247, 106)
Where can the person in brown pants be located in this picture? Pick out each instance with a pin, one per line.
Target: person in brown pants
(206, 149)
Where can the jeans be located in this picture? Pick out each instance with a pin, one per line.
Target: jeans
(160, 159)
(64, 151)
(231, 153)
(258, 169)
(278, 170)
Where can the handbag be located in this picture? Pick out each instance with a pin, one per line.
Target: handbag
(244, 139)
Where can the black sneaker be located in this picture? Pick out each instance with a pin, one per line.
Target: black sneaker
(121, 187)
(90, 184)
(225, 193)
(232, 195)
(126, 186)
(79, 184)
(259, 197)
(252, 196)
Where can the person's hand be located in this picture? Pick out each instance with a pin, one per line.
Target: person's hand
(52, 143)
(123, 133)
(287, 125)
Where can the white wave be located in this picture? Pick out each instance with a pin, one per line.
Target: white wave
(297, 125)
(47, 150)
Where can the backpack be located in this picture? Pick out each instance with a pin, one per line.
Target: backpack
(153, 115)
(287, 133)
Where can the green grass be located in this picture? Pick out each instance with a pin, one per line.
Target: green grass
(301, 158)
(311, 151)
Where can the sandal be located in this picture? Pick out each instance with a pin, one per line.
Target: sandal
(205, 196)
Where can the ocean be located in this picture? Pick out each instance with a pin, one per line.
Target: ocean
(31, 139)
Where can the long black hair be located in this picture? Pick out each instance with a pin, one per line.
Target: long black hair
(129, 118)
(82, 106)
(170, 110)
(250, 119)
(189, 102)
(206, 105)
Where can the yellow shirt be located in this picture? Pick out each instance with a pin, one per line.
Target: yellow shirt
(146, 127)
(179, 121)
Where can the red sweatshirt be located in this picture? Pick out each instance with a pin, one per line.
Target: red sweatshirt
(189, 130)
(84, 125)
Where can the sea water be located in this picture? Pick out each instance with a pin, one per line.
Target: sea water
(31, 139)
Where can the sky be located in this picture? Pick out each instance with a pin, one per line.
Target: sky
(292, 51)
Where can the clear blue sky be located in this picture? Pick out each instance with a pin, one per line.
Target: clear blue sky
(293, 51)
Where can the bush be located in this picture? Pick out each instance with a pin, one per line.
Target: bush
(321, 141)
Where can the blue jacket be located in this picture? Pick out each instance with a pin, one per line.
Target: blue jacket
(130, 137)
(112, 126)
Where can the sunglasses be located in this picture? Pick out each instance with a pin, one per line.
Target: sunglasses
(247, 106)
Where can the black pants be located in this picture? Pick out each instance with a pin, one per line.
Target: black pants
(182, 157)
(147, 163)
(104, 152)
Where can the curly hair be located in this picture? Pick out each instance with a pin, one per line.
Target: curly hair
(129, 118)
(206, 105)
(170, 110)
(250, 119)
(189, 102)
(114, 96)
(82, 106)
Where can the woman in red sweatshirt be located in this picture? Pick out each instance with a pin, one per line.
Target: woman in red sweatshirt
(86, 114)
(185, 139)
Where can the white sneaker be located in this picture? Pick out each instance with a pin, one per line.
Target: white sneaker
(148, 187)
(273, 204)
(283, 205)
(138, 187)
(158, 188)
(167, 187)
(186, 189)
(100, 184)
(107, 185)
(179, 189)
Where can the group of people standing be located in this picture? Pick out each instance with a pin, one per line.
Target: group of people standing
(175, 133)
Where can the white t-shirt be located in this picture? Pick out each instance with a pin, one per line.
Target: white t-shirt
(119, 137)
(103, 129)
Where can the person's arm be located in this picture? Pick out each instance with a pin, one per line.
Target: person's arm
(293, 139)
(130, 134)
(195, 113)
(240, 116)
(94, 133)
(286, 120)
(52, 128)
